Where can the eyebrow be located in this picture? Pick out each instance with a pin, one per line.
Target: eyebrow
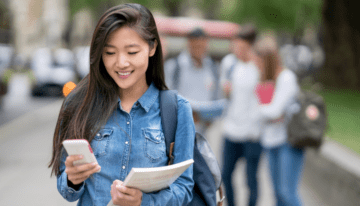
(127, 46)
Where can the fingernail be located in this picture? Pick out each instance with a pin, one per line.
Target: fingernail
(80, 156)
(94, 163)
(98, 167)
(118, 186)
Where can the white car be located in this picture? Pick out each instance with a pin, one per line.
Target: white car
(52, 69)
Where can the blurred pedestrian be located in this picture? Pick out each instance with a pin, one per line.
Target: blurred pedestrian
(195, 75)
(285, 161)
(241, 128)
(117, 109)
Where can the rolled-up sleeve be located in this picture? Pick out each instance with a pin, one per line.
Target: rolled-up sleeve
(67, 192)
(180, 192)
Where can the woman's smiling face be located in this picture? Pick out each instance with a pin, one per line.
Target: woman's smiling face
(126, 58)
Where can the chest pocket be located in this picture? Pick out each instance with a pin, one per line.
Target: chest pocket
(154, 144)
(100, 143)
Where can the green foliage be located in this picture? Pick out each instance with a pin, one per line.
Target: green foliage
(344, 116)
(287, 15)
(99, 6)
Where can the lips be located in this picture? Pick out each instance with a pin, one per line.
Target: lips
(124, 75)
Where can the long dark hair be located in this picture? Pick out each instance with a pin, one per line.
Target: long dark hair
(266, 49)
(94, 99)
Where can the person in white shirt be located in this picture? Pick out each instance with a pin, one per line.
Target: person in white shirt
(241, 128)
(285, 162)
(195, 75)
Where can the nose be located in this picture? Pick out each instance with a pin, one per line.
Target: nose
(122, 61)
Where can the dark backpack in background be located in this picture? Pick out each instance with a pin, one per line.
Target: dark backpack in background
(307, 127)
(206, 171)
(308, 124)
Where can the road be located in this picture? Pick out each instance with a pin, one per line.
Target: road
(25, 151)
(18, 100)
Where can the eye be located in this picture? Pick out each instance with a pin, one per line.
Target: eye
(132, 53)
(109, 53)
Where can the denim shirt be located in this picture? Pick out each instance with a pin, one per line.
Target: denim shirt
(136, 139)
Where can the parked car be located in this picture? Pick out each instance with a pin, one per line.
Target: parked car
(82, 60)
(52, 69)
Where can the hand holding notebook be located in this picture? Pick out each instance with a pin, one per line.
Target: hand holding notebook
(156, 178)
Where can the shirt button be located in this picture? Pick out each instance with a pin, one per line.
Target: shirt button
(123, 167)
(137, 104)
(127, 122)
(126, 142)
(98, 134)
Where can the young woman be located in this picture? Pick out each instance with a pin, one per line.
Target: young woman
(286, 162)
(116, 108)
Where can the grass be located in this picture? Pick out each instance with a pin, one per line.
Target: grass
(343, 107)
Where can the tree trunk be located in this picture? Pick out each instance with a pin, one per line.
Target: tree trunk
(341, 44)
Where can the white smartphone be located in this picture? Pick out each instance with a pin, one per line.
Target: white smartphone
(80, 147)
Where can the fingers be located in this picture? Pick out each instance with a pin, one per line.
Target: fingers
(84, 172)
(70, 159)
(125, 195)
(91, 168)
(78, 174)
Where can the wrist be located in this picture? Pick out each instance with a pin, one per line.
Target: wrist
(72, 185)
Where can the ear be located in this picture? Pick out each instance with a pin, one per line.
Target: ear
(153, 49)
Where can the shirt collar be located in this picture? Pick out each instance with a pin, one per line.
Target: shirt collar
(148, 98)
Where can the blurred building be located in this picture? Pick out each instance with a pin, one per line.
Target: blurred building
(38, 23)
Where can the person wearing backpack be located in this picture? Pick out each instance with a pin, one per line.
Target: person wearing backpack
(116, 107)
(241, 127)
(194, 74)
(285, 161)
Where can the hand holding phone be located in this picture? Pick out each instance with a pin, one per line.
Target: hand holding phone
(81, 162)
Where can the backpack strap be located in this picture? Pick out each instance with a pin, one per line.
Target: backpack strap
(176, 75)
(168, 113)
(215, 73)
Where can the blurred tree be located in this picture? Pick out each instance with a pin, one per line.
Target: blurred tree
(5, 22)
(341, 32)
(98, 7)
(289, 15)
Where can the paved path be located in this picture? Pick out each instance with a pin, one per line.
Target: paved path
(266, 196)
(25, 150)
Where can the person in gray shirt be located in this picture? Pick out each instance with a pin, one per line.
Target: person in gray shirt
(194, 74)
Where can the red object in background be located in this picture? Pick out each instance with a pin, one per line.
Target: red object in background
(265, 92)
(181, 26)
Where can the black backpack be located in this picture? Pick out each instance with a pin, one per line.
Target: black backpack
(206, 173)
(307, 127)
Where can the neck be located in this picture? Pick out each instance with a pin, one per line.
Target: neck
(131, 95)
(197, 62)
(250, 56)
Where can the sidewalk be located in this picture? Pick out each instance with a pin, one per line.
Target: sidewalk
(266, 196)
(25, 151)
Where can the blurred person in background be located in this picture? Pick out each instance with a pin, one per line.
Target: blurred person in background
(241, 127)
(195, 75)
(285, 162)
(117, 109)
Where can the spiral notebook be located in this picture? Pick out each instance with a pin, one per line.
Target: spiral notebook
(154, 178)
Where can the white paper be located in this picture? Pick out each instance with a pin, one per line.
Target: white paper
(155, 178)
